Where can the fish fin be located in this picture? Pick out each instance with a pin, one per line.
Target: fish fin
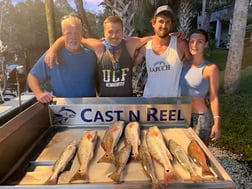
(115, 176)
(79, 176)
(174, 176)
(51, 180)
(168, 153)
(107, 158)
(207, 172)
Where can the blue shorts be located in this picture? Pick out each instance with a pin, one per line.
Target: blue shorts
(202, 125)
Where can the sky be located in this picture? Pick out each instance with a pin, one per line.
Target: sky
(88, 4)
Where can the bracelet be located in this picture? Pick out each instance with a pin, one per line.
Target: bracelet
(216, 117)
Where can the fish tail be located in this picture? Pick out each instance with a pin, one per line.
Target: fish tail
(115, 176)
(196, 178)
(80, 176)
(156, 184)
(166, 177)
(135, 157)
(107, 158)
(51, 181)
(173, 175)
(207, 172)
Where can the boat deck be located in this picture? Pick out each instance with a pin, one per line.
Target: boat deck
(14, 105)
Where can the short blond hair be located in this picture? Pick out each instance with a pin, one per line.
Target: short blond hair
(72, 20)
(113, 19)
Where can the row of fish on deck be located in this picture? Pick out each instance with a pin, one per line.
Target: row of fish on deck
(152, 147)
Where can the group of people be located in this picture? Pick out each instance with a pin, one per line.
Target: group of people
(88, 67)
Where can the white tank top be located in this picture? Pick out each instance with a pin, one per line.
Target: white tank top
(163, 71)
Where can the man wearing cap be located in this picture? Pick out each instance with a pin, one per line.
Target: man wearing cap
(164, 56)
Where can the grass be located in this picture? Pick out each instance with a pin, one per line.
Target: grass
(236, 110)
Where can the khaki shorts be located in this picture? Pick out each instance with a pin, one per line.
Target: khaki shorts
(202, 125)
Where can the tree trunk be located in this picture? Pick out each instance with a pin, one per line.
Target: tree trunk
(51, 27)
(235, 54)
(82, 13)
(203, 21)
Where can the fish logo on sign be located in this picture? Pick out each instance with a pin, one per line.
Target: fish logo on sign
(63, 115)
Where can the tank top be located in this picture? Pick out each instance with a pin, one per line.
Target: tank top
(163, 71)
(112, 84)
(192, 81)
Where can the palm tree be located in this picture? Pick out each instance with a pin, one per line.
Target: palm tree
(125, 9)
(235, 53)
(82, 14)
(185, 16)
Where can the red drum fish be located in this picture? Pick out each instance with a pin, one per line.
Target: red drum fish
(110, 140)
(85, 155)
(132, 136)
(121, 160)
(159, 151)
(199, 157)
(61, 163)
(148, 167)
(182, 157)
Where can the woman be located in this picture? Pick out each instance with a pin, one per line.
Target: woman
(200, 80)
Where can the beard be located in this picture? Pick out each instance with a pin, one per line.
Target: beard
(162, 33)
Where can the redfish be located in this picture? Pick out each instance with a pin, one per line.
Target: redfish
(61, 163)
(132, 136)
(182, 157)
(85, 155)
(110, 140)
(148, 167)
(198, 156)
(159, 151)
(121, 160)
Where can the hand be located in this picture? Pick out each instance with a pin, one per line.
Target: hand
(215, 133)
(51, 58)
(45, 97)
(179, 35)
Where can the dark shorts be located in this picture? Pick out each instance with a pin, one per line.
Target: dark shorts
(202, 125)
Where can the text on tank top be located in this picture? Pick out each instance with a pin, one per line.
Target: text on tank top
(163, 71)
(111, 83)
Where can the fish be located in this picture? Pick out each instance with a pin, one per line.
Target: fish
(110, 140)
(63, 115)
(132, 136)
(159, 151)
(182, 157)
(121, 161)
(85, 155)
(63, 160)
(198, 156)
(148, 167)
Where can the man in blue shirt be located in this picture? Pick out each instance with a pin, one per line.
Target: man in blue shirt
(74, 76)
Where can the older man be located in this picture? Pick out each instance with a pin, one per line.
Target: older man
(74, 76)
